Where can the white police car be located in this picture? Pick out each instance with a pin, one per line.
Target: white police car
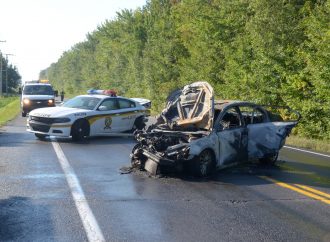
(98, 113)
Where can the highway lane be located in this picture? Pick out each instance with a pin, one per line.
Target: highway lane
(35, 200)
(244, 203)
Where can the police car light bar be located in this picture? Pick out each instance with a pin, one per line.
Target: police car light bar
(109, 92)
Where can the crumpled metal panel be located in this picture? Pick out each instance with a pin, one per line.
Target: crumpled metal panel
(191, 106)
(267, 138)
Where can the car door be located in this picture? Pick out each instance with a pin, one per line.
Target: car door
(232, 135)
(128, 113)
(106, 119)
(264, 137)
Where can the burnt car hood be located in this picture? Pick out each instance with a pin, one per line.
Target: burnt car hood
(190, 107)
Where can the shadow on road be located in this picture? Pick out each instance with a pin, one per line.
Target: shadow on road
(22, 219)
(13, 139)
(95, 140)
(248, 174)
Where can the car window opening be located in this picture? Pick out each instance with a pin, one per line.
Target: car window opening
(231, 119)
(88, 103)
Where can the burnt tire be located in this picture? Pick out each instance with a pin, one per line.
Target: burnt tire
(79, 130)
(139, 124)
(40, 136)
(204, 165)
(269, 159)
(137, 159)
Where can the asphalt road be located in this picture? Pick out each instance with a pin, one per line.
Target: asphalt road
(64, 191)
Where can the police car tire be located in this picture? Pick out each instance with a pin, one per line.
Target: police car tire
(79, 130)
(40, 136)
(139, 124)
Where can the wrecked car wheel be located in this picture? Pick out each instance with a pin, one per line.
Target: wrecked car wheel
(269, 160)
(204, 165)
(137, 159)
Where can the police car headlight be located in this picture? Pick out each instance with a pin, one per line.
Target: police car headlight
(147, 105)
(61, 120)
(26, 101)
(50, 101)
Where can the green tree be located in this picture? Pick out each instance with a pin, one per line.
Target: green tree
(267, 51)
(10, 76)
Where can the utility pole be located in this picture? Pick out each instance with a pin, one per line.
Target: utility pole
(0, 73)
(7, 73)
(1, 70)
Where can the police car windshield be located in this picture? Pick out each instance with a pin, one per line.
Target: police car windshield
(38, 90)
(88, 103)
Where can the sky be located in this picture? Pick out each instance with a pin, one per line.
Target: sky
(37, 32)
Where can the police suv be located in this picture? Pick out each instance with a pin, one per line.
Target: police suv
(36, 94)
(99, 113)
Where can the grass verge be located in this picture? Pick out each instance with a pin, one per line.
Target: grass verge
(9, 111)
(6, 100)
(307, 143)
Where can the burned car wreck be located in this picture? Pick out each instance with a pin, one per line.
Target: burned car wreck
(194, 133)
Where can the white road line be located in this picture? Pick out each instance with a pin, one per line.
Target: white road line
(311, 152)
(90, 224)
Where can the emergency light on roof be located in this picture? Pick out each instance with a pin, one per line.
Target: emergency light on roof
(38, 81)
(109, 92)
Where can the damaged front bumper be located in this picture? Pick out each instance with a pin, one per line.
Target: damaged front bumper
(157, 163)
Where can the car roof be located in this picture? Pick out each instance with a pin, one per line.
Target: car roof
(101, 96)
(95, 95)
(36, 84)
(221, 104)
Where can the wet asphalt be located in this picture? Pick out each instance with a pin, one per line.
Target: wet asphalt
(236, 204)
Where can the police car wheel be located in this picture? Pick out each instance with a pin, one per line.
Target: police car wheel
(139, 124)
(79, 130)
(40, 136)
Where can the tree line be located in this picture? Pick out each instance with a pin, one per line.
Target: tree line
(266, 51)
(10, 76)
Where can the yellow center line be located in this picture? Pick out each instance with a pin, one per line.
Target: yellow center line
(313, 190)
(296, 189)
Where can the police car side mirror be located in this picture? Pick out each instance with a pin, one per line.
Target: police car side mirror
(102, 108)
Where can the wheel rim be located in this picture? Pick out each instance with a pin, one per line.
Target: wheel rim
(80, 130)
(273, 159)
(205, 162)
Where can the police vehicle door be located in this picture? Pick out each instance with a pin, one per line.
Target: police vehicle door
(128, 113)
(108, 119)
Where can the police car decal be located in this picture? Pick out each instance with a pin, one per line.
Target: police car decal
(107, 123)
